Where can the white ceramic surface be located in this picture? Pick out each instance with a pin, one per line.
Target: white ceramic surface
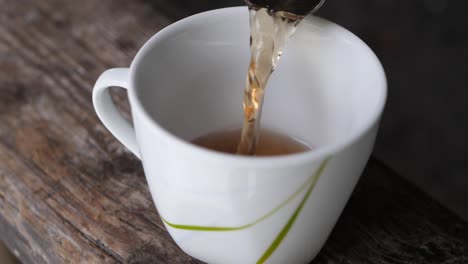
(329, 90)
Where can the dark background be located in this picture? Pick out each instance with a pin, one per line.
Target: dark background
(423, 46)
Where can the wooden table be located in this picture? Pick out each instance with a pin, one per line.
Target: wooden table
(70, 193)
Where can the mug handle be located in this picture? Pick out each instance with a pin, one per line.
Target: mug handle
(107, 111)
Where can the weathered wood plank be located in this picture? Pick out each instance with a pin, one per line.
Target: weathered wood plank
(178, 9)
(70, 193)
(389, 221)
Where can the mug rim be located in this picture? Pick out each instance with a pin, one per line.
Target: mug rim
(321, 153)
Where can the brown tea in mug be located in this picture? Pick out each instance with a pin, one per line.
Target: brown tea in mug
(270, 143)
(272, 22)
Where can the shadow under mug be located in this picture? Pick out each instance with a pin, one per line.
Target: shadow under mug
(328, 90)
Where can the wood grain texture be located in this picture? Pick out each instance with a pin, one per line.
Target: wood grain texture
(70, 193)
(388, 220)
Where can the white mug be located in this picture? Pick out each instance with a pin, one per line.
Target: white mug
(329, 90)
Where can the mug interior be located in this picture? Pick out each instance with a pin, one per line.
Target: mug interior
(191, 77)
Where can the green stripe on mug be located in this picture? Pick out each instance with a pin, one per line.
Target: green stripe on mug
(312, 179)
(311, 182)
(282, 234)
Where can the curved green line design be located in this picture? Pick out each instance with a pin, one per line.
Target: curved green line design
(291, 220)
(311, 182)
(313, 179)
